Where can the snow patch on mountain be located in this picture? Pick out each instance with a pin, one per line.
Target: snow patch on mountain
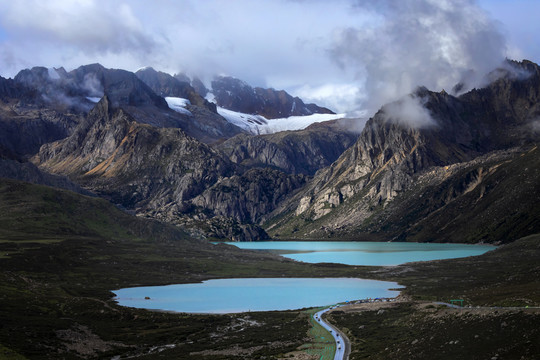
(247, 122)
(93, 99)
(179, 105)
(257, 124)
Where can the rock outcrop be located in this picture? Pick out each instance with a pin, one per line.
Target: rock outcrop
(250, 196)
(165, 85)
(294, 152)
(28, 120)
(389, 163)
(122, 87)
(236, 95)
(165, 174)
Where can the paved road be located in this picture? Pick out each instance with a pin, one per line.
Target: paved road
(342, 344)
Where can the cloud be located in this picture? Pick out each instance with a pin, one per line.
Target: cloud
(408, 111)
(92, 85)
(339, 97)
(428, 43)
(93, 27)
(57, 32)
(279, 43)
(348, 55)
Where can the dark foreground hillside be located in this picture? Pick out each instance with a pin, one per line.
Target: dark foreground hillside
(467, 171)
(61, 253)
(501, 293)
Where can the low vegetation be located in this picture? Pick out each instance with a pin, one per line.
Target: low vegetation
(412, 330)
(55, 299)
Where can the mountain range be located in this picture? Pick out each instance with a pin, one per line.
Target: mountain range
(431, 166)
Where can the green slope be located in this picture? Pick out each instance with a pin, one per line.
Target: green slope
(62, 253)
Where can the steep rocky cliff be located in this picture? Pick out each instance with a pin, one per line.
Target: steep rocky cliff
(29, 118)
(250, 196)
(131, 162)
(9, 89)
(236, 95)
(164, 85)
(23, 131)
(424, 133)
(165, 174)
(295, 152)
(121, 86)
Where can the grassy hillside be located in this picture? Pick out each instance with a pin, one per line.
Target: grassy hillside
(506, 276)
(62, 253)
(501, 293)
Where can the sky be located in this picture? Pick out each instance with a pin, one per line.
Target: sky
(349, 55)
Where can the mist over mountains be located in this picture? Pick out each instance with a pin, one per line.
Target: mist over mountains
(138, 138)
(158, 147)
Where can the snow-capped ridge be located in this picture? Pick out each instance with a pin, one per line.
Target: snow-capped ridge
(256, 124)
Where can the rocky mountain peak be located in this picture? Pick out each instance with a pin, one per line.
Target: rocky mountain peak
(423, 138)
(121, 86)
(165, 85)
(33, 77)
(10, 89)
(199, 86)
(234, 94)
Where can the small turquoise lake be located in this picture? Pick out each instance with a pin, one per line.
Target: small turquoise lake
(365, 253)
(241, 295)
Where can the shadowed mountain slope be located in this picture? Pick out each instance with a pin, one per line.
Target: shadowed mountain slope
(399, 160)
(295, 152)
(236, 95)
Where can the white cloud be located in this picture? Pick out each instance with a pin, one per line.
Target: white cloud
(85, 24)
(338, 97)
(425, 42)
(344, 54)
(58, 33)
(408, 111)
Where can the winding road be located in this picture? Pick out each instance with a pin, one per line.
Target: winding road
(343, 346)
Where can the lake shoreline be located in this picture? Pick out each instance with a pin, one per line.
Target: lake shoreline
(363, 253)
(241, 295)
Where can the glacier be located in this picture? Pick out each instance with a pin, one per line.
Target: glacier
(257, 124)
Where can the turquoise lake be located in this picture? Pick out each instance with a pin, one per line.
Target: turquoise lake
(241, 295)
(365, 253)
(268, 294)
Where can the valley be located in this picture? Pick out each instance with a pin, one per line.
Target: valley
(104, 184)
(56, 298)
